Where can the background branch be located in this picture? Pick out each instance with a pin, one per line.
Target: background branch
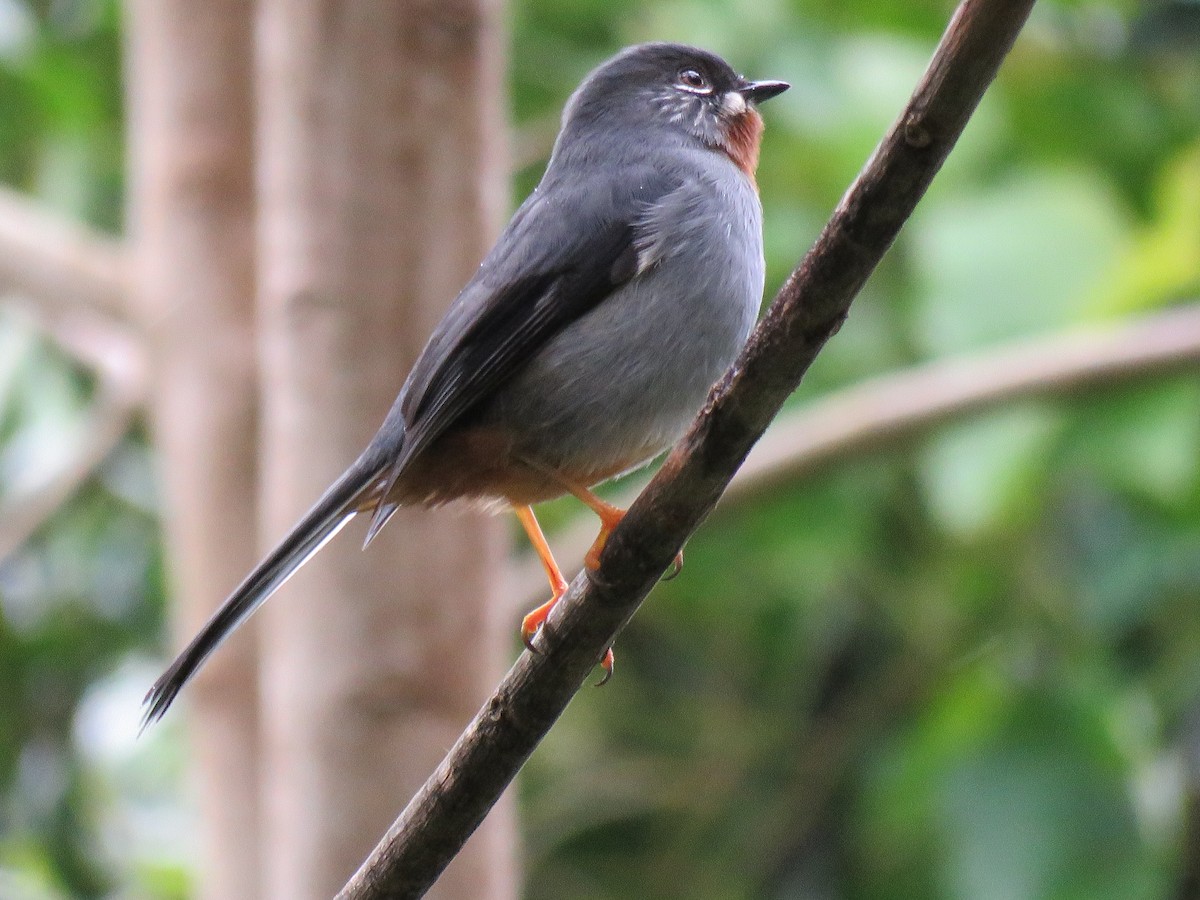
(115, 357)
(75, 281)
(808, 310)
(57, 262)
(901, 405)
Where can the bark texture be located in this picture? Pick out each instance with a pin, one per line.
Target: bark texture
(192, 229)
(381, 184)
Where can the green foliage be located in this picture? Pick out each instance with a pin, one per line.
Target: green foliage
(963, 667)
(74, 603)
(86, 592)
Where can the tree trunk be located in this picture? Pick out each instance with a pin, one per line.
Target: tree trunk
(191, 220)
(381, 182)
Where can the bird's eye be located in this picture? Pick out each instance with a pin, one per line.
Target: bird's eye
(691, 80)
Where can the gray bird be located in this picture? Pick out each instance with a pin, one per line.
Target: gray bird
(621, 290)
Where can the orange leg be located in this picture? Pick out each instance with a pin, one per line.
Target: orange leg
(609, 517)
(558, 586)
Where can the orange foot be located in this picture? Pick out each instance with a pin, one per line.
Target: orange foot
(592, 559)
(536, 619)
(609, 517)
(533, 622)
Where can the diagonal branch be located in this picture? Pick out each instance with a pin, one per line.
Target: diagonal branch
(57, 262)
(900, 405)
(808, 310)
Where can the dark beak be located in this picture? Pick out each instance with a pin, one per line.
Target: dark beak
(758, 91)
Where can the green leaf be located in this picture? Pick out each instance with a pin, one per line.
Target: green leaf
(1015, 260)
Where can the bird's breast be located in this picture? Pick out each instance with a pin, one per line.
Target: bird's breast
(742, 139)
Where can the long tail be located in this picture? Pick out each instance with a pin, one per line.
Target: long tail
(337, 506)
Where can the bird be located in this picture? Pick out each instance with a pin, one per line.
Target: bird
(620, 291)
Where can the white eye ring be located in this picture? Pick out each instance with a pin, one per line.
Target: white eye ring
(693, 82)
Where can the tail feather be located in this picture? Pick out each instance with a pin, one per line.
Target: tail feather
(384, 508)
(337, 506)
(383, 512)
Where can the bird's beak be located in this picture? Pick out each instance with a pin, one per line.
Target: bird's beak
(758, 91)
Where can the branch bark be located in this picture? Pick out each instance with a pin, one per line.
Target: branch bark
(809, 308)
(902, 405)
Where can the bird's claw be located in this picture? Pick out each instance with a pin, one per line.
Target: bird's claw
(535, 622)
(606, 663)
(676, 567)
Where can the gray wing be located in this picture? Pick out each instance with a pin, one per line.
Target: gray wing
(567, 248)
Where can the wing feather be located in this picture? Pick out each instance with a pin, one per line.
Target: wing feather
(556, 261)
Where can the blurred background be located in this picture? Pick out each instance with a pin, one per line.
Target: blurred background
(954, 652)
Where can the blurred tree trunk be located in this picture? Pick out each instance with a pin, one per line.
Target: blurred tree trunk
(191, 222)
(381, 181)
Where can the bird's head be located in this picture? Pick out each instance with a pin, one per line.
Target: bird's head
(673, 89)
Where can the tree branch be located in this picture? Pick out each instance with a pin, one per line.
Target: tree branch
(809, 308)
(901, 405)
(58, 262)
